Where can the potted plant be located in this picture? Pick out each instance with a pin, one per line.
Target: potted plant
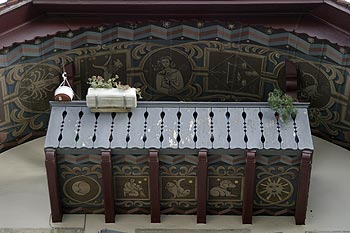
(282, 104)
(110, 95)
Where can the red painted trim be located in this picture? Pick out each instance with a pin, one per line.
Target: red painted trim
(154, 186)
(291, 79)
(52, 179)
(303, 187)
(202, 179)
(247, 211)
(18, 17)
(107, 180)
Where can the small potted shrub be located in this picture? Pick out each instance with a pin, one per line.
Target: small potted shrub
(110, 95)
(282, 104)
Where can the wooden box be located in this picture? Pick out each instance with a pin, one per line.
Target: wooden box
(111, 98)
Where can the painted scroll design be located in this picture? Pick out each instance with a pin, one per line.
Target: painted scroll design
(276, 186)
(81, 186)
(131, 188)
(25, 92)
(27, 87)
(225, 188)
(178, 188)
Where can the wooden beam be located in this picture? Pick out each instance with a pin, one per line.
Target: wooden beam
(202, 177)
(52, 179)
(107, 180)
(248, 194)
(303, 187)
(291, 79)
(154, 186)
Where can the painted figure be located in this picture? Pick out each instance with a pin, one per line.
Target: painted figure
(223, 190)
(168, 80)
(132, 189)
(176, 190)
(109, 70)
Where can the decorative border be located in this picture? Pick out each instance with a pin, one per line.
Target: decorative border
(169, 30)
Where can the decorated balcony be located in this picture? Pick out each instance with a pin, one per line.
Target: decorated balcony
(178, 158)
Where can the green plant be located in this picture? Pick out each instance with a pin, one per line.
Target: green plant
(100, 82)
(282, 104)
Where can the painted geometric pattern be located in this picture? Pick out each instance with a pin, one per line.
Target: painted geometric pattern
(178, 182)
(225, 184)
(78, 159)
(81, 187)
(175, 31)
(131, 184)
(276, 184)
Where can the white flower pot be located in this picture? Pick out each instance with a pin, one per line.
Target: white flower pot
(111, 99)
(64, 93)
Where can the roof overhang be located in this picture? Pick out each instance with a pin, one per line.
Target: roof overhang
(47, 17)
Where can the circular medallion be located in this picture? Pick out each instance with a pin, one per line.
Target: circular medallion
(274, 189)
(82, 189)
(167, 72)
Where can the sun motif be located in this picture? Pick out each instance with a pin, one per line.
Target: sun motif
(274, 189)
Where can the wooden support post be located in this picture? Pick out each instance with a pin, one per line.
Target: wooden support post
(303, 187)
(52, 179)
(107, 180)
(291, 79)
(202, 176)
(154, 186)
(248, 194)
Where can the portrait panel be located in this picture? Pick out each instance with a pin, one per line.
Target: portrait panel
(167, 71)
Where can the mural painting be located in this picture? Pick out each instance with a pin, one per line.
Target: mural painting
(225, 184)
(131, 188)
(225, 188)
(178, 182)
(81, 183)
(131, 184)
(178, 188)
(185, 69)
(276, 184)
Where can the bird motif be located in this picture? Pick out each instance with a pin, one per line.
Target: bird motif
(311, 92)
(174, 187)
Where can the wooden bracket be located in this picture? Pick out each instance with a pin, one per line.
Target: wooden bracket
(291, 79)
(107, 180)
(303, 187)
(52, 179)
(154, 185)
(248, 194)
(202, 177)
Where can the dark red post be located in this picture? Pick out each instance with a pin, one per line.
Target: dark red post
(202, 175)
(248, 194)
(107, 180)
(303, 187)
(154, 186)
(52, 179)
(291, 74)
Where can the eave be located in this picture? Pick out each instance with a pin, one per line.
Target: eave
(38, 18)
